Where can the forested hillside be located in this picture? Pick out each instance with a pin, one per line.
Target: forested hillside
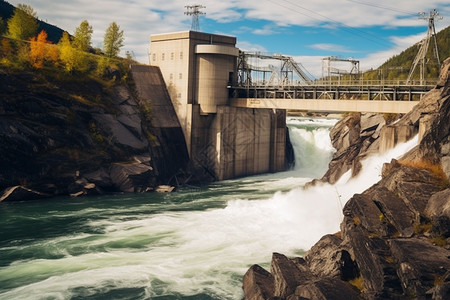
(398, 66)
(54, 33)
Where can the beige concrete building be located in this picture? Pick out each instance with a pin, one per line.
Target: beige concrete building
(197, 67)
(224, 142)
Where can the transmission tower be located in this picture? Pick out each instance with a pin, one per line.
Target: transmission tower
(194, 11)
(424, 44)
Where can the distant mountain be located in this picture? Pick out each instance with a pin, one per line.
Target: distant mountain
(54, 33)
(398, 66)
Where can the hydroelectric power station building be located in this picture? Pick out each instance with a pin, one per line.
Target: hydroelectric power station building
(224, 141)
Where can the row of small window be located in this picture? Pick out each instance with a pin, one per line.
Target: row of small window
(163, 56)
(180, 76)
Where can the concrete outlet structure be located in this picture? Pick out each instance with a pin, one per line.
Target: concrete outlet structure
(224, 142)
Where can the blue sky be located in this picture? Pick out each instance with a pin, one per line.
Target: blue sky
(368, 30)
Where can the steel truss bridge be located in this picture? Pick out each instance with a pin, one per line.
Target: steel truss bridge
(266, 85)
(369, 90)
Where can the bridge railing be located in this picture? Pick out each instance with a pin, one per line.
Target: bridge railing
(371, 82)
(370, 90)
(346, 83)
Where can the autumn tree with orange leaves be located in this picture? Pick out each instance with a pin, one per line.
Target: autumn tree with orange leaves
(42, 51)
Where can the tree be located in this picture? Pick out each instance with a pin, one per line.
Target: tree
(67, 52)
(113, 40)
(2, 26)
(83, 35)
(102, 65)
(42, 51)
(23, 24)
(72, 58)
(6, 50)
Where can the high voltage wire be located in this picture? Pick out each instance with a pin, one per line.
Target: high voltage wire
(363, 34)
(351, 30)
(384, 7)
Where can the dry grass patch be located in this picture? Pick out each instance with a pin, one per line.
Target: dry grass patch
(357, 282)
(435, 169)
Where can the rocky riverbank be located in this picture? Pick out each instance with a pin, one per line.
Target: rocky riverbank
(394, 239)
(78, 136)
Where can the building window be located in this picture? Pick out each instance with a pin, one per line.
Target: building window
(171, 77)
(154, 56)
(181, 55)
(180, 76)
(162, 56)
(172, 55)
(179, 95)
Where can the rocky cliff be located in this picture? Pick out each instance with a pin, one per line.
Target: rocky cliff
(394, 238)
(77, 136)
(358, 135)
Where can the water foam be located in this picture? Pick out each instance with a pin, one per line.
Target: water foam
(193, 252)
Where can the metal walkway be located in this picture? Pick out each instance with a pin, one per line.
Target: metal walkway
(260, 84)
(339, 98)
(339, 90)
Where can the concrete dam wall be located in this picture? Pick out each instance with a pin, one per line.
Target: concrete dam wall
(230, 143)
(168, 149)
(239, 142)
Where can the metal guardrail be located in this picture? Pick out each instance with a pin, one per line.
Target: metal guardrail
(353, 83)
(366, 82)
(367, 90)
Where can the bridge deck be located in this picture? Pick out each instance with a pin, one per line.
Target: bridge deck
(362, 92)
(333, 98)
(375, 106)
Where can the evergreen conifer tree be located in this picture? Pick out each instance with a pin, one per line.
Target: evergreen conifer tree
(113, 40)
(83, 35)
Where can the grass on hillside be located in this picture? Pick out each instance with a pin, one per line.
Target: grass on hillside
(435, 169)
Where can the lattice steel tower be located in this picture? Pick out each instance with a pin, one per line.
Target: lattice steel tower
(424, 44)
(194, 11)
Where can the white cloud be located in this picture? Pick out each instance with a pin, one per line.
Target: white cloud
(246, 46)
(331, 47)
(141, 18)
(266, 30)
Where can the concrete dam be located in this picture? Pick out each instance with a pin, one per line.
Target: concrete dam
(233, 130)
(187, 85)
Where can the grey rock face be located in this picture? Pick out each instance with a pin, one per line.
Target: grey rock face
(258, 284)
(56, 141)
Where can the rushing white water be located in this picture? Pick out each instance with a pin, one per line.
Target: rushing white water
(193, 242)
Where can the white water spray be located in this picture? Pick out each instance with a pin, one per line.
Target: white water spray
(198, 251)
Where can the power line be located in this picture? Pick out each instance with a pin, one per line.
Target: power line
(375, 38)
(383, 7)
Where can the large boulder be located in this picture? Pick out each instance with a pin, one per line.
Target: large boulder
(327, 258)
(421, 266)
(288, 274)
(258, 284)
(326, 289)
(438, 211)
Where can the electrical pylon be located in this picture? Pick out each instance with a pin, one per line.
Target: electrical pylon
(194, 11)
(424, 44)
